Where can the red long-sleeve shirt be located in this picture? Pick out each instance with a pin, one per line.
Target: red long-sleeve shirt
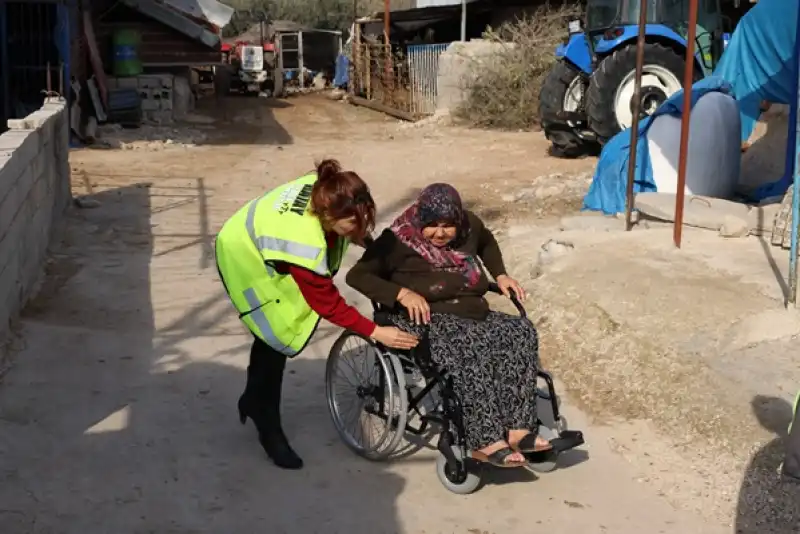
(324, 298)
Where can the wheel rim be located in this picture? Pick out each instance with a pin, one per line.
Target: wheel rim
(573, 97)
(355, 375)
(658, 84)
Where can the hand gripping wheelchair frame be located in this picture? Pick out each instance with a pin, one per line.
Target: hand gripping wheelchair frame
(408, 396)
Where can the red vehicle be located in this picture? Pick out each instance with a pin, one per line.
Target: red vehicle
(254, 65)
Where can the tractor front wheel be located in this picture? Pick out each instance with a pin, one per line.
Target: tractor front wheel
(609, 97)
(562, 90)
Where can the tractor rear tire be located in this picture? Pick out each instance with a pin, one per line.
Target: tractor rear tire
(611, 73)
(565, 143)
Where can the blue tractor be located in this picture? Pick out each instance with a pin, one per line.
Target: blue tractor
(587, 96)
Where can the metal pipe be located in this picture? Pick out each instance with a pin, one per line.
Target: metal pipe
(795, 227)
(636, 107)
(463, 20)
(795, 169)
(688, 79)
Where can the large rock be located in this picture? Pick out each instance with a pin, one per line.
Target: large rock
(456, 65)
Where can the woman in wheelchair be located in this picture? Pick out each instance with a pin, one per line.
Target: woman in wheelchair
(425, 267)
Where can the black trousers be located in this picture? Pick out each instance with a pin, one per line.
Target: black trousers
(261, 399)
(791, 461)
(262, 394)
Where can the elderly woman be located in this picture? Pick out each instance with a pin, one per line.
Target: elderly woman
(427, 262)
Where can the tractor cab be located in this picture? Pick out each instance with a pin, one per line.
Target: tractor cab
(610, 21)
(587, 97)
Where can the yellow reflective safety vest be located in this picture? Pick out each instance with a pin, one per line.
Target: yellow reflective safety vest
(277, 227)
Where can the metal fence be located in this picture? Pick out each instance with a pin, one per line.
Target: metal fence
(380, 74)
(404, 80)
(423, 73)
(34, 53)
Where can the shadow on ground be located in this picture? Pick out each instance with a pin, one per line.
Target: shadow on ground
(107, 419)
(768, 504)
(245, 120)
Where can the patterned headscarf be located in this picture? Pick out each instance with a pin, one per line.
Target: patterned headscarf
(438, 203)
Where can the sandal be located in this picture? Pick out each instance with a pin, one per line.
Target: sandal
(498, 458)
(528, 444)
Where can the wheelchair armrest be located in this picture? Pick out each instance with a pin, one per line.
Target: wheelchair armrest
(494, 288)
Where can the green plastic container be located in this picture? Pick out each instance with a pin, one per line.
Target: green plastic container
(126, 53)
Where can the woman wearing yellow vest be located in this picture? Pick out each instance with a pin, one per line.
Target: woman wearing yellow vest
(276, 257)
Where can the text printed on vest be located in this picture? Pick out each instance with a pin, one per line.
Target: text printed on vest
(294, 199)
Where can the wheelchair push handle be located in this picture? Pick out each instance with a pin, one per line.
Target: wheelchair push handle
(494, 288)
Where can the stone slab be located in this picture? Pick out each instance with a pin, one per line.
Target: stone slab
(698, 211)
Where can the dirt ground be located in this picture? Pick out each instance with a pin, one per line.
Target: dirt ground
(119, 409)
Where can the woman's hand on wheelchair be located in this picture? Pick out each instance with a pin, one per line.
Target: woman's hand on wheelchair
(417, 306)
(393, 337)
(508, 286)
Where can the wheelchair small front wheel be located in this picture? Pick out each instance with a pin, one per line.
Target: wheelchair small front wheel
(467, 482)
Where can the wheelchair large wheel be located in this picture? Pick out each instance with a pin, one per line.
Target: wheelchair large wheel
(467, 483)
(366, 396)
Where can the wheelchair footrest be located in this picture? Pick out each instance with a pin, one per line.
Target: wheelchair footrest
(568, 439)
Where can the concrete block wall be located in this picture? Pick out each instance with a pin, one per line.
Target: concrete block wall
(34, 192)
(165, 97)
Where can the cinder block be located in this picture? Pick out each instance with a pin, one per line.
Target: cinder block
(149, 82)
(150, 105)
(54, 101)
(166, 80)
(12, 140)
(23, 188)
(9, 206)
(9, 243)
(18, 124)
(10, 288)
(20, 141)
(128, 83)
(166, 105)
(165, 94)
(161, 117)
(37, 166)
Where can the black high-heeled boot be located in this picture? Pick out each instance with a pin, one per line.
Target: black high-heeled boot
(261, 403)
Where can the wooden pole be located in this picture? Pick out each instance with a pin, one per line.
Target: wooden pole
(688, 79)
(354, 65)
(387, 7)
(636, 109)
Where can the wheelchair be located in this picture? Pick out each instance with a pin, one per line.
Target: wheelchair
(404, 396)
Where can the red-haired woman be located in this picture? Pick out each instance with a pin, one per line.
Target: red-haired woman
(276, 257)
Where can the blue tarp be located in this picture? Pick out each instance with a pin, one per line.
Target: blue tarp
(342, 74)
(607, 192)
(760, 59)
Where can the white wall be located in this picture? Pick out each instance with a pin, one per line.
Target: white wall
(34, 192)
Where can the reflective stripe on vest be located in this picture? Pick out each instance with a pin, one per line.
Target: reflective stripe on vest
(258, 316)
(294, 248)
